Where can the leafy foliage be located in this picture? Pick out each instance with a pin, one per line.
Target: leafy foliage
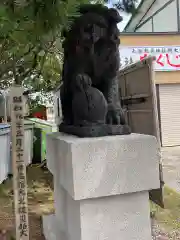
(30, 40)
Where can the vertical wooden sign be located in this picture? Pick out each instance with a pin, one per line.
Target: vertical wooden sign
(18, 161)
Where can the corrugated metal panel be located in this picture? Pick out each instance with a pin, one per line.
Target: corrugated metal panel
(169, 96)
(4, 154)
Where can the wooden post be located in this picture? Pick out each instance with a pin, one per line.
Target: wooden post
(18, 161)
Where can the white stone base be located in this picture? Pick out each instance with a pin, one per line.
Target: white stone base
(107, 218)
(101, 187)
(51, 230)
(116, 217)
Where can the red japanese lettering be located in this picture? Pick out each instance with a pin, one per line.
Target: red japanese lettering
(159, 60)
(171, 64)
(144, 56)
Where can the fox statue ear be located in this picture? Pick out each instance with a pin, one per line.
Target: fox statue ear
(114, 15)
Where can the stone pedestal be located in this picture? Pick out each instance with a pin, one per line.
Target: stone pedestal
(101, 187)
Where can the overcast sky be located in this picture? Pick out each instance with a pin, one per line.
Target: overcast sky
(126, 17)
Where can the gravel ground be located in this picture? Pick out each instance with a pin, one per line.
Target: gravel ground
(40, 201)
(158, 233)
(7, 224)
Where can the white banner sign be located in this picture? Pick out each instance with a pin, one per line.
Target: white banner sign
(167, 58)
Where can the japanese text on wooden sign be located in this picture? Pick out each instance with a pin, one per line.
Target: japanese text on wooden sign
(19, 168)
(167, 58)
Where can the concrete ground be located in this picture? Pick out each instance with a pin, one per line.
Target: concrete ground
(171, 167)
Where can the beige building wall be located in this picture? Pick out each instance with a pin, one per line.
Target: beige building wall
(155, 40)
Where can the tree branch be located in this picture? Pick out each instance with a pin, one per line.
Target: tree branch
(15, 61)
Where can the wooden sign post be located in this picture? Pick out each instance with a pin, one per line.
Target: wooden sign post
(18, 161)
